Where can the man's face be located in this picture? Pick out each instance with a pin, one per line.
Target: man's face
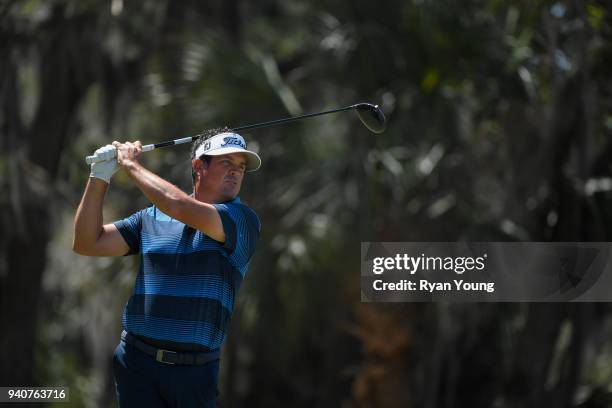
(223, 176)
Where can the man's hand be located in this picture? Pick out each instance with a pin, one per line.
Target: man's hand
(104, 170)
(127, 153)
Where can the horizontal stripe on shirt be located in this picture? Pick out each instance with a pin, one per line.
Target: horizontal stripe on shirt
(198, 286)
(182, 331)
(189, 308)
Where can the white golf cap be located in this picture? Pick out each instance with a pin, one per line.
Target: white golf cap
(227, 143)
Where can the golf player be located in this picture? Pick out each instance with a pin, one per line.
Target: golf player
(194, 252)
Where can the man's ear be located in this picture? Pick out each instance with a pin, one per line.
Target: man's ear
(199, 167)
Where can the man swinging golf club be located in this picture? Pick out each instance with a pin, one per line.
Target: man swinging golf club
(194, 252)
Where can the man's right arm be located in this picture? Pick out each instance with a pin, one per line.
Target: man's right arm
(91, 237)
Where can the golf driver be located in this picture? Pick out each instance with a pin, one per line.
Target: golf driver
(370, 115)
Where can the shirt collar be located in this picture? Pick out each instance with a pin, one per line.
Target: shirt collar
(235, 200)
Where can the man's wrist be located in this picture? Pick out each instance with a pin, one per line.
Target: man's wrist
(130, 165)
(101, 175)
(96, 179)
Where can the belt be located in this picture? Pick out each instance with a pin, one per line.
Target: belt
(168, 356)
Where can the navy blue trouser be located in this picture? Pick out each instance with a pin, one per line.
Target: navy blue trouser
(140, 381)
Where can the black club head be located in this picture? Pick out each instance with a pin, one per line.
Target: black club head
(371, 116)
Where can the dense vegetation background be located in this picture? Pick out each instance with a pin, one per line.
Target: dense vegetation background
(500, 117)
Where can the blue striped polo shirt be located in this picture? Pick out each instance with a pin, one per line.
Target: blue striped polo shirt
(187, 282)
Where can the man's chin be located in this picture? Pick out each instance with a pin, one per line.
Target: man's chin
(230, 193)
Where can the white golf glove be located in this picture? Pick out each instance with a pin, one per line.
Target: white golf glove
(104, 170)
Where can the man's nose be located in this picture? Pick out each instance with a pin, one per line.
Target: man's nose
(235, 169)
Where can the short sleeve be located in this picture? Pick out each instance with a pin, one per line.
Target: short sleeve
(130, 228)
(242, 228)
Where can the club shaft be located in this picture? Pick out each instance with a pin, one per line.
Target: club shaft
(146, 148)
(291, 119)
(175, 141)
(257, 125)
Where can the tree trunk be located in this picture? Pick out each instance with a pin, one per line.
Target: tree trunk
(33, 155)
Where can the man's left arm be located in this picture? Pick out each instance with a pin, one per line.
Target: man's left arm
(167, 197)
